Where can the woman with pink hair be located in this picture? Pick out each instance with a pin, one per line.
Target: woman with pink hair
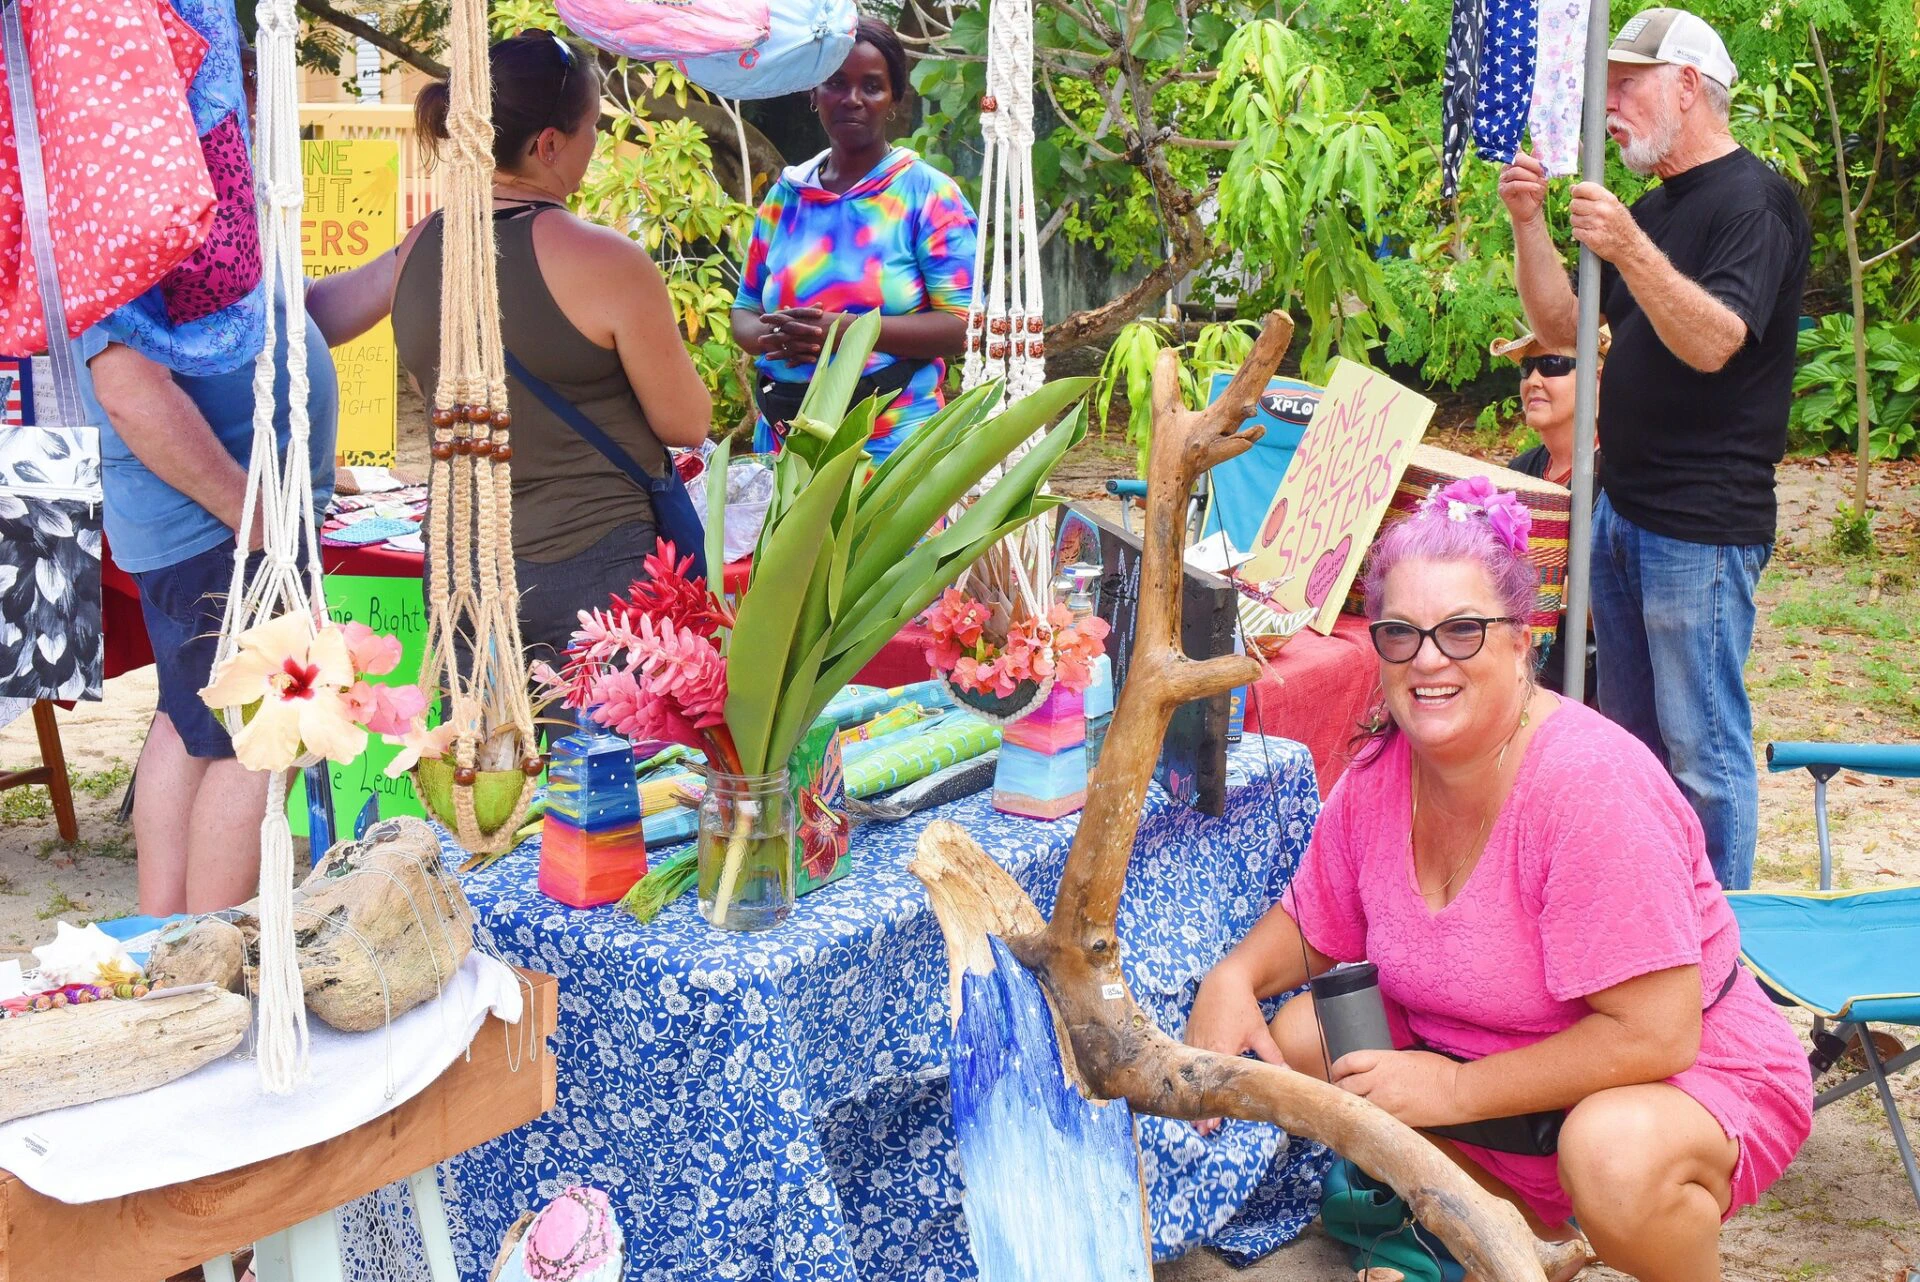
(1559, 967)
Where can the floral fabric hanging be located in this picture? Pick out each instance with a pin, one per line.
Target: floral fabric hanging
(128, 188)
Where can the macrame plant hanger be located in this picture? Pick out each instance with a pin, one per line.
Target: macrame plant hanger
(473, 601)
(1005, 324)
(280, 498)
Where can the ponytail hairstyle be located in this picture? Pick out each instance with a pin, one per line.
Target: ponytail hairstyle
(540, 82)
(1469, 520)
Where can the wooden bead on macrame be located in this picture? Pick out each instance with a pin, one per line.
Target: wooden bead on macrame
(442, 450)
(1036, 350)
(502, 453)
(443, 417)
(532, 766)
(502, 420)
(478, 414)
(464, 776)
(996, 351)
(989, 103)
(463, 445)
(1034, 325)
(1001, 325)
(483, 447)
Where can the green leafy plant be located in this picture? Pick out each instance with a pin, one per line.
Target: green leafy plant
(1128, 368)
(1852, 533)
(1823, 413)
(845, 559)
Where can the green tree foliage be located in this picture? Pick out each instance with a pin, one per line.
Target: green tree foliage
(1304, 139)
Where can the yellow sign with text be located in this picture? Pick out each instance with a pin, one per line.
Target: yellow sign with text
(352, 217)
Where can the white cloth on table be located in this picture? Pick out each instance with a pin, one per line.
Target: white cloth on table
(219, 1118)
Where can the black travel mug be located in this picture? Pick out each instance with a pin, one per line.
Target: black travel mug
(1352, 1017)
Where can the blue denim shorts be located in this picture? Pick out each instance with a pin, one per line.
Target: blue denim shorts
(182, 604)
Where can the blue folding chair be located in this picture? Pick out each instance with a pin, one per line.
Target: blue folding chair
(1236, 495)
(1850, 957)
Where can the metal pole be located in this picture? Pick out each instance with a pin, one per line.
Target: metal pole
(1586, 402)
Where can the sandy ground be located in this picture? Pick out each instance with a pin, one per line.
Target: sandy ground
(1834, 658)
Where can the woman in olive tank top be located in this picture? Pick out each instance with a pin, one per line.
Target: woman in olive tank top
(586, 312)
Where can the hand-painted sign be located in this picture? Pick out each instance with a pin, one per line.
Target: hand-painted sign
(1322, 520)
(351, 218)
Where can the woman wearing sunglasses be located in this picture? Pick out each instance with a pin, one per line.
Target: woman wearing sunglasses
(584, 311)
(1546, 402)
(1559, 967)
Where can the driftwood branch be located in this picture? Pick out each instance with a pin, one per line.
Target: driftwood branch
(1109, 1044)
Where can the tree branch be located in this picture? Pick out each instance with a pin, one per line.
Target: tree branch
(1211, 144)
(1055, 221)
(1908, 243)
(374, 36)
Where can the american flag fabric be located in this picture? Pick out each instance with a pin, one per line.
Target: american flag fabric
(1505, 93)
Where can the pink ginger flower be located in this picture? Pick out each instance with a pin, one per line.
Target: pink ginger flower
(683, 668)
(642, 717)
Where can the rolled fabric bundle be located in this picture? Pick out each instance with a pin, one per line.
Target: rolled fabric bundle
(914, 754)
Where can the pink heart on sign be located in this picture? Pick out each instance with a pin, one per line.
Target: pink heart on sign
(1326, 570)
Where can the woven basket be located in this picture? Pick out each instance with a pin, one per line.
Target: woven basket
(1550, 504)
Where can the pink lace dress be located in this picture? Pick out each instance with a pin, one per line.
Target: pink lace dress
(1595, 872)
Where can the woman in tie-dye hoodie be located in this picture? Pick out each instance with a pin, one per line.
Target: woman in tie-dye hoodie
(864, 226)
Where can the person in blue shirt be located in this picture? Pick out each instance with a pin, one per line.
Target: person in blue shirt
(174, 453)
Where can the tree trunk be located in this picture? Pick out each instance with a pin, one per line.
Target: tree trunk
(1856, 281)
(1107, 1042)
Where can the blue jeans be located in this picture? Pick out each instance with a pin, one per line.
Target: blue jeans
(1674, 622)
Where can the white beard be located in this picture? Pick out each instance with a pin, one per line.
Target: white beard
(1645, 153)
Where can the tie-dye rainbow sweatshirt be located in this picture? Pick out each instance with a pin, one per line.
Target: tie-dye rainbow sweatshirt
(900, 240)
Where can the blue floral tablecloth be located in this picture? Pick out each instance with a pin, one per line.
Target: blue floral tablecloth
(775, 1107)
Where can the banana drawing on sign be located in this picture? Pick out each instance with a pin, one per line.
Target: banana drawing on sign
(351, 217)
(1324, 516)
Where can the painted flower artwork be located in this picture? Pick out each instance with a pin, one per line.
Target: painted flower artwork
(824, 829)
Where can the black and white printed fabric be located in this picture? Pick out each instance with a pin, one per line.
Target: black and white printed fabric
(50, 641)
(1459, 87)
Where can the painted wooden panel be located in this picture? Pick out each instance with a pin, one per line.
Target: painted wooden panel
(1053, 1189)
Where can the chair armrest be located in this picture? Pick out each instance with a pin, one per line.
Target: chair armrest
(1127, 488)
(1891, 760)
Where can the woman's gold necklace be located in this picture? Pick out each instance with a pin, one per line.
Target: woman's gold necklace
(1413, 822)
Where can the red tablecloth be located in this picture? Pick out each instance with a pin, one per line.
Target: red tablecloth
(1318, 690)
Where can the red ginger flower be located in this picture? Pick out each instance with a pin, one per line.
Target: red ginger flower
(667, 593)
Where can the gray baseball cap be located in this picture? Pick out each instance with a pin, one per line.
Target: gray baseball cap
(1676, 37)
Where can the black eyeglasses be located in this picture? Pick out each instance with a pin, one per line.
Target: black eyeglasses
(1458, 638)
(1546, 366)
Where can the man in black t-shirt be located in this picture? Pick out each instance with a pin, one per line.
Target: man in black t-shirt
(1701, 283)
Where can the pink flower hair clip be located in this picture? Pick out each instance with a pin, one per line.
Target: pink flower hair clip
(1477, 496)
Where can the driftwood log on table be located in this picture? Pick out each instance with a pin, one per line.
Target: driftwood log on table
(380, 926)
(209, 952)
(1111, 1045)
(78, 1054)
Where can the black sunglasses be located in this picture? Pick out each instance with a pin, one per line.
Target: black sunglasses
(1458, 638)
(566, 78)
(1546, 366)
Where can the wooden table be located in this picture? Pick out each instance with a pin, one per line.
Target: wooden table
(146, 1236)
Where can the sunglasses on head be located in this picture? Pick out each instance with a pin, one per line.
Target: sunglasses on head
(1458, 638)
(566, 77)
(1546, 366)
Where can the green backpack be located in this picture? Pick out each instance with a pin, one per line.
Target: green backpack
(1374, 1222)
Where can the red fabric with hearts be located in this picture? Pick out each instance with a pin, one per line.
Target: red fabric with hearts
(129, 194)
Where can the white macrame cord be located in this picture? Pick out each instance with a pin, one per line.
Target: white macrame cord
(280, 498)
